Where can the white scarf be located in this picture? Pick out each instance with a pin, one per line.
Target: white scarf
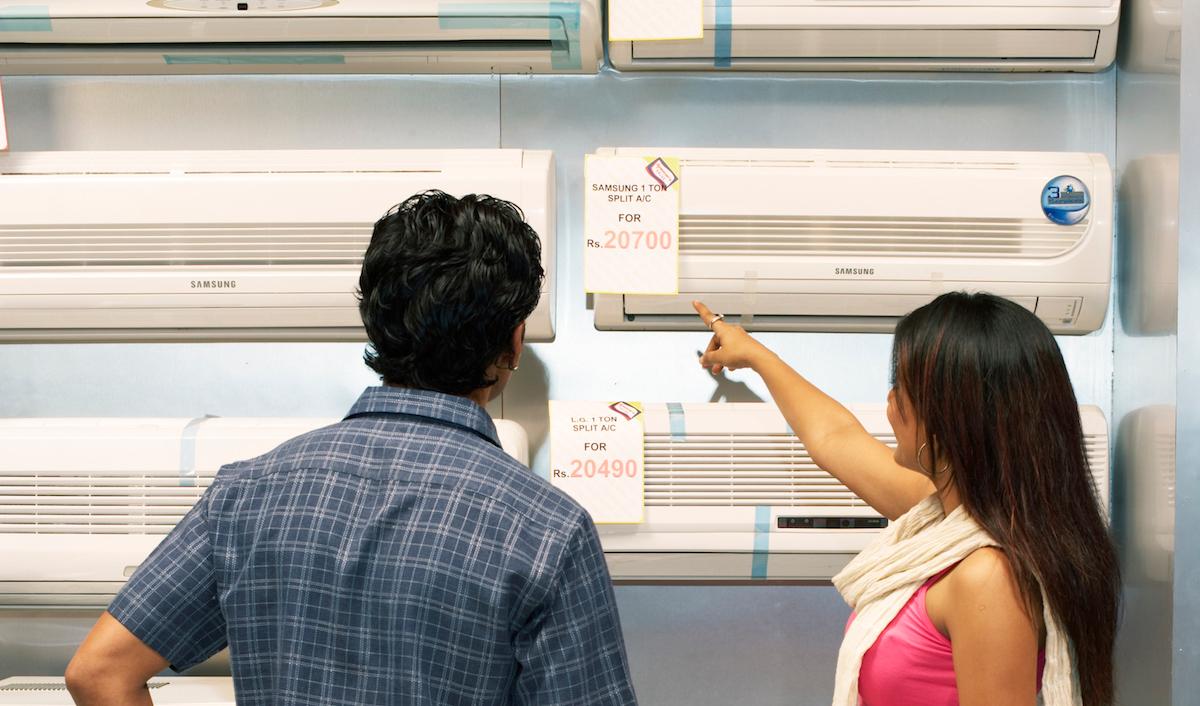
(880, 581)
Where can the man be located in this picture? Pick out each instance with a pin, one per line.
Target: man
(398, 557)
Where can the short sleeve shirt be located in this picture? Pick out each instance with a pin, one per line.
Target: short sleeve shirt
(398, 557)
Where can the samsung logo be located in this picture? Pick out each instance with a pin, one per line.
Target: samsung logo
(214, 284)
(854, 270)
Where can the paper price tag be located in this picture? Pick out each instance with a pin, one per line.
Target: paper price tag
(651, 20)
(596, 457)
(3, 127)
(631, 225)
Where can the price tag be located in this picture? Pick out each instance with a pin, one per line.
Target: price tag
(631, 225)
(652, 20)
(596, 457)
(3, 127)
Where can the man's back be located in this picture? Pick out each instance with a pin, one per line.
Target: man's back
(397, 557)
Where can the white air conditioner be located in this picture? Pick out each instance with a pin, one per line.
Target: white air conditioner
(1146, 462)
(299, 36)
(225, 245)
(166, 691)
(1149, 255)
(84, 501)
(1153, 40)
(900, 35)
(851, 240)
(731, 494)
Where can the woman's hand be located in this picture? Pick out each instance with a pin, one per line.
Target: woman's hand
(731, 347)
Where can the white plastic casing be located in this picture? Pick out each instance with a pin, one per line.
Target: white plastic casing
(851, 240)
(225, 245)
(902, 35)
(300, 37)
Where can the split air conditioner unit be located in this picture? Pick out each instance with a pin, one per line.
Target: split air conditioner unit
(1153, 40)
(1149, 262)
(299, 36)
(851, 240)
(84, 501)
(1146, 457)
(903, 35)
(225, 245)
(732, 494)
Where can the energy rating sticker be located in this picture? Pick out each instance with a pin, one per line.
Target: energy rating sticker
(596, 457)
(651, 20)
(631, 225)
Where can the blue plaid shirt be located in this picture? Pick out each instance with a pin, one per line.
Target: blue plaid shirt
(398, 557)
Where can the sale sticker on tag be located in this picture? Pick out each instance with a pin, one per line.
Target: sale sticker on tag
(596, 457)
(631, 225)
(3, 127)
(652, 20)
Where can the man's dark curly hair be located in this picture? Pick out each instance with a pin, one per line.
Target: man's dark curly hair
(444, 284)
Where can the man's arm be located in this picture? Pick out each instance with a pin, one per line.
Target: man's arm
(167, 614)
(571, 652)
(112, 667)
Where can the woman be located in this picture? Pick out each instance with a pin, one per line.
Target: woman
(997, 577)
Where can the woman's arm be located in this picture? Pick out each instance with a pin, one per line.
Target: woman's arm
(835, 439)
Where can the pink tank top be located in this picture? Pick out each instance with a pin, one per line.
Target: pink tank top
(911, 663)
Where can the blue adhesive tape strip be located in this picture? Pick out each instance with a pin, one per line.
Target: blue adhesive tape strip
(678, 424)
(25, 18)
(762, 542)
(254, 59)
(560, 19)
(723, 35)
(187, 452)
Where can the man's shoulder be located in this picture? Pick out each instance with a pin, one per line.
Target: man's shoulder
(428, 454)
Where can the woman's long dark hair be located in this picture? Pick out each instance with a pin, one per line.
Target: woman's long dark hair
(988, 380)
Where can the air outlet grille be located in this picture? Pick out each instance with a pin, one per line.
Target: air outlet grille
(764, 469)
(732, 470)
(164, 245)
(725, 470)
(836, 236)
(46, 502)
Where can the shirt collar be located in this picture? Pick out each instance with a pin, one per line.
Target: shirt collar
(436, 406)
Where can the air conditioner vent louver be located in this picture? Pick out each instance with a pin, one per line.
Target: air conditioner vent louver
(702, 470)
(768, 469)
(735, 470)
(125, 245)
(918, 164)
(70, 502)
(724, 235)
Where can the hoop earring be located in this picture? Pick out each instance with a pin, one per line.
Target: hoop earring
(925, 470)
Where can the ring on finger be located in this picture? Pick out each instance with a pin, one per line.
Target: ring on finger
(714, 320)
